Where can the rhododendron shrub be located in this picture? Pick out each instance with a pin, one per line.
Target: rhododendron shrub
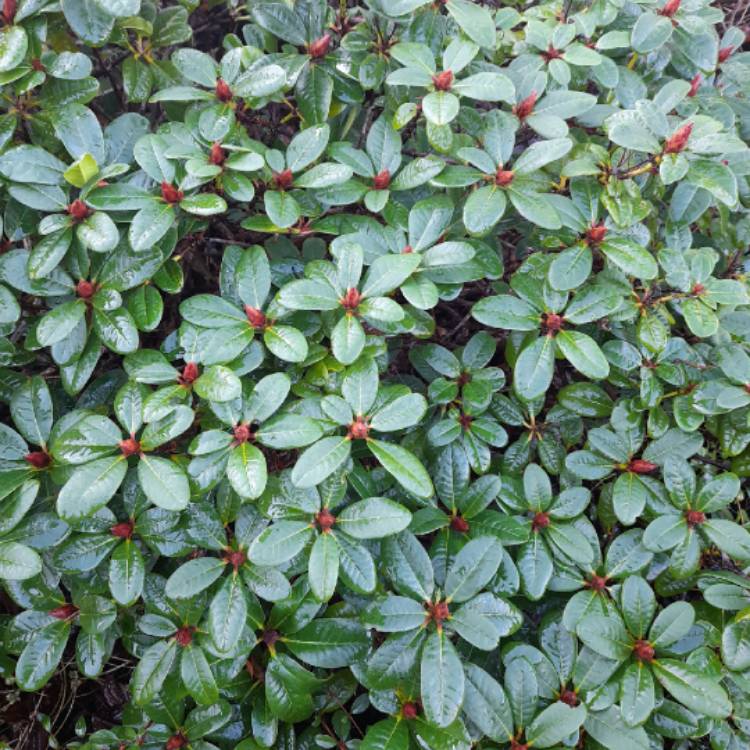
(374, 376)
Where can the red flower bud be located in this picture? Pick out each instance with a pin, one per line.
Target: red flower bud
(78, 210)
(503, 177)
(525, 107)
(242, 433)
(189, 374)
(352, 298)
(695, 518)
(325, 520)
(552, 323)
(541, 521)
(670, 8)
(235, 558)
(381, 180)
(320, 47)
(643, 651)
(222, 91)
(129, 447)
(410, 711)
(283, 180)
(596, 234)
(694, 85)
(270, 637)
(176, 741)
(439, 612)
(697, 290)
(359, 429)
(9, 11)
(569, 697)
(677, 142)
(465, 421)
(85, 289)
(184, 637)
(217, 155)
(170, 193)
(597, 583)
(255, 317)
(725, 53)
(408, 249)
(459, 524)
(639, 466)
(37, 65)
(122, 530)
(443, 81)
(551, 54)
(38, 459)
(65, 612)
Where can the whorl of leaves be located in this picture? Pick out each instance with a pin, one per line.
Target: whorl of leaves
(375, 376)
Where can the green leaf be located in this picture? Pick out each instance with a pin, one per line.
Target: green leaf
(442, 680)
(554, 724)
(41, 655)
(193, 577)
(475, 21)
(163, 482)
(329, 642)
(227, 614)
(279, 542)
(320, 461)
(403, 465)
(323, 568)
(153, 668)
(583, 353)
(18, 562)
(90, 487)
(373, 518)
(127, 572)
(197, 677)
(246, 471)
(691, 687)
(534, 368)
(472, 568)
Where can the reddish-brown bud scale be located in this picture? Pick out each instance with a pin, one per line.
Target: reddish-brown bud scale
(643, 651)
(38, 459)
(695, 83)
(170, 193)
(350, 301)
(217, 155)
(518, 745)
(283, 180)
(381, 180)
(235, 558)
(551, 54)
(189, 374)
(540, 521)
(65, 612)
(359, 429)
(698, 289)
(410, 711)
(596, 234)
(670, 8)
(320, 47)
(459, 524)
(443, 81)
(184, 635)
(569, 697)
(639, 466)
(503, 177)
(222, 91)
(85, 289)
(255, 671)
(129, 447)
(123, 530)
(270, 637)
(695, 518)
(552, 323)
(325, 520)
(242, 433)
(407, 250)
(725, 53)
(37, 65)
(176, 741)
(677, 142)
(526, 106)
(597, 583)
(438, 612)
(9, 11)
(78, 210)
(465, 421)
(255, 317)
